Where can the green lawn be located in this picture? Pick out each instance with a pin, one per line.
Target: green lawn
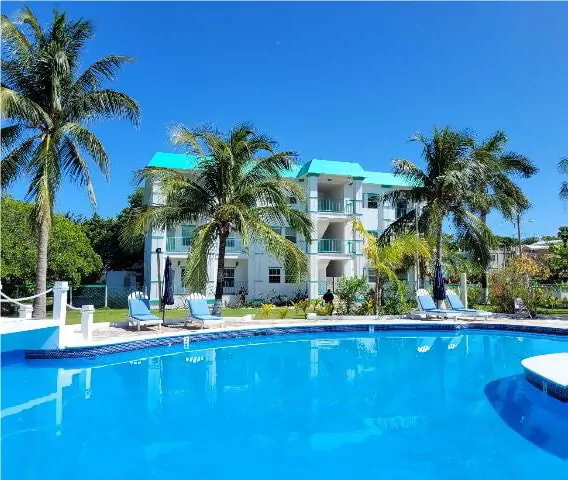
(119, 314)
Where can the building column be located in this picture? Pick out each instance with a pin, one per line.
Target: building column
(358, 211)
(312, 249)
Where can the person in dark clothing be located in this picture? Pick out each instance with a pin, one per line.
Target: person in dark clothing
(328, 299)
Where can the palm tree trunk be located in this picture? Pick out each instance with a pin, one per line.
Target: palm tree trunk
(439, 254)
(485, 274)
(220, 271)
(377, 295)
(39, 310)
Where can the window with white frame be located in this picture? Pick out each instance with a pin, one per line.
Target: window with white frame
(372, 200)
(229, 277)
(274, 275)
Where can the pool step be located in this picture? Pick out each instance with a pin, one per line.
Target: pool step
(549, 373)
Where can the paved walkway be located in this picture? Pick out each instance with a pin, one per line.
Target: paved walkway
(103, 333)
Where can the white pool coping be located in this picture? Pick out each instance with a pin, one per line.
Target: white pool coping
(552, 368)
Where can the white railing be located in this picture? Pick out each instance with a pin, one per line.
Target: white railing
(24, 311)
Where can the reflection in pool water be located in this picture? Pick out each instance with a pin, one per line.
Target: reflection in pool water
(387, 405)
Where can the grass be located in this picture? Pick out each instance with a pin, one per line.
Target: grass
(119, 314)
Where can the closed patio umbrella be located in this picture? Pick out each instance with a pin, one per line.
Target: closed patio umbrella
(439, 289)
(168, 298)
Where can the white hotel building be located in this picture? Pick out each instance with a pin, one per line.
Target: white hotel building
(336, 191)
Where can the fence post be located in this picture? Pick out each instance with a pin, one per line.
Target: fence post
(463, 288)
(60, 290)
(87, 312)
(106, 295)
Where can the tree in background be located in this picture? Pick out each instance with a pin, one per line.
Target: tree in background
(443, 188)
(387, 259)
(238, 187)
(557, 262)
(105, 236)
(47, 103)
(495, 189)
(72, 256)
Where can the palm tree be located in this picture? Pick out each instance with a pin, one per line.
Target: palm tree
(48, 103)
(563, 169)
(496, 189)
(387, 259)
(442, 190)
(238, 187)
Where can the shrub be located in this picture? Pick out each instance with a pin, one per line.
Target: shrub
(348, 290)
(265, 309)
(303, 306)
(283, 313)
(473, 294)
(323, 308)
(395, 299)
(513, 281)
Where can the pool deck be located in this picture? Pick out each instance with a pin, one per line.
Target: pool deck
(104, 334)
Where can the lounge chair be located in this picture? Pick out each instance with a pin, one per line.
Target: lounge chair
(425, 344)
(139, 314)
(428, 307)
(456, 304)
(199, 310)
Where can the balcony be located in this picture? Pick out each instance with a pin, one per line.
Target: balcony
(181, 245)
(177, 244)
(332, 205)
(339, 246)
(233, 287)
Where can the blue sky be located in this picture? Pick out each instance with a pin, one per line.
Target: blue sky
(338, 81)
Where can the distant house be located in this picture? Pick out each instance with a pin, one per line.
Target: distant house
(538, 251)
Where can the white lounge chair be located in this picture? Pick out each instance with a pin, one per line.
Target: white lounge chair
(199, 310)
(456, 304)
(139, 315)
(427, 306)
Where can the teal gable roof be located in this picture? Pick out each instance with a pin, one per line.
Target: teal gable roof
(331, 167)
(386, 178)
(292, 172)
(174, 160)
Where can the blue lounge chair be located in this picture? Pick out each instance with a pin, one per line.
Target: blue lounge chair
(139, 314)
(456, 304)
(199, 310)
(426, 304)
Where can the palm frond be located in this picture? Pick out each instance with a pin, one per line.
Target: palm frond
(14, 106)
(90, 144)
(16, 162)
(102, 105)
(100, 71)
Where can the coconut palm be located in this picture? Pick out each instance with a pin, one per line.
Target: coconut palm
(386, 259)
(496, 189)
(237, 187)
(442, 190)
(45, 105)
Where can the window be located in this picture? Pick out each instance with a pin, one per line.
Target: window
(493, 257)
(273, 275)
(229, 277)
(372, 200)
(290, 234)
(401, 208)
(186, 232)
(371, 275)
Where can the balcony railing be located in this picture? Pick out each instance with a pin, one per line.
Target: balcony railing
(234, 245)
(181, 245)
(331, 205)
(177, 244)
(337, 245)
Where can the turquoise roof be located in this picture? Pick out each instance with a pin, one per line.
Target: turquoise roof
(331, 167)
(386, 178)
(313, 167)
(174, 160)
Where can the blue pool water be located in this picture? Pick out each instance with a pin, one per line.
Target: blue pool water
(341, 405)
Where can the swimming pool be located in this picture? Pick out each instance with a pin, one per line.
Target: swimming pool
(388, 404)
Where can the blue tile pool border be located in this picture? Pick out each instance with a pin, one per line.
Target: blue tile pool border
(190, 337)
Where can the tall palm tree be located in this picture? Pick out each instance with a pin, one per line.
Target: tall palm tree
(442, 189)
(47, 103)
(496, 189)
(387, 259)
(238, 187)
